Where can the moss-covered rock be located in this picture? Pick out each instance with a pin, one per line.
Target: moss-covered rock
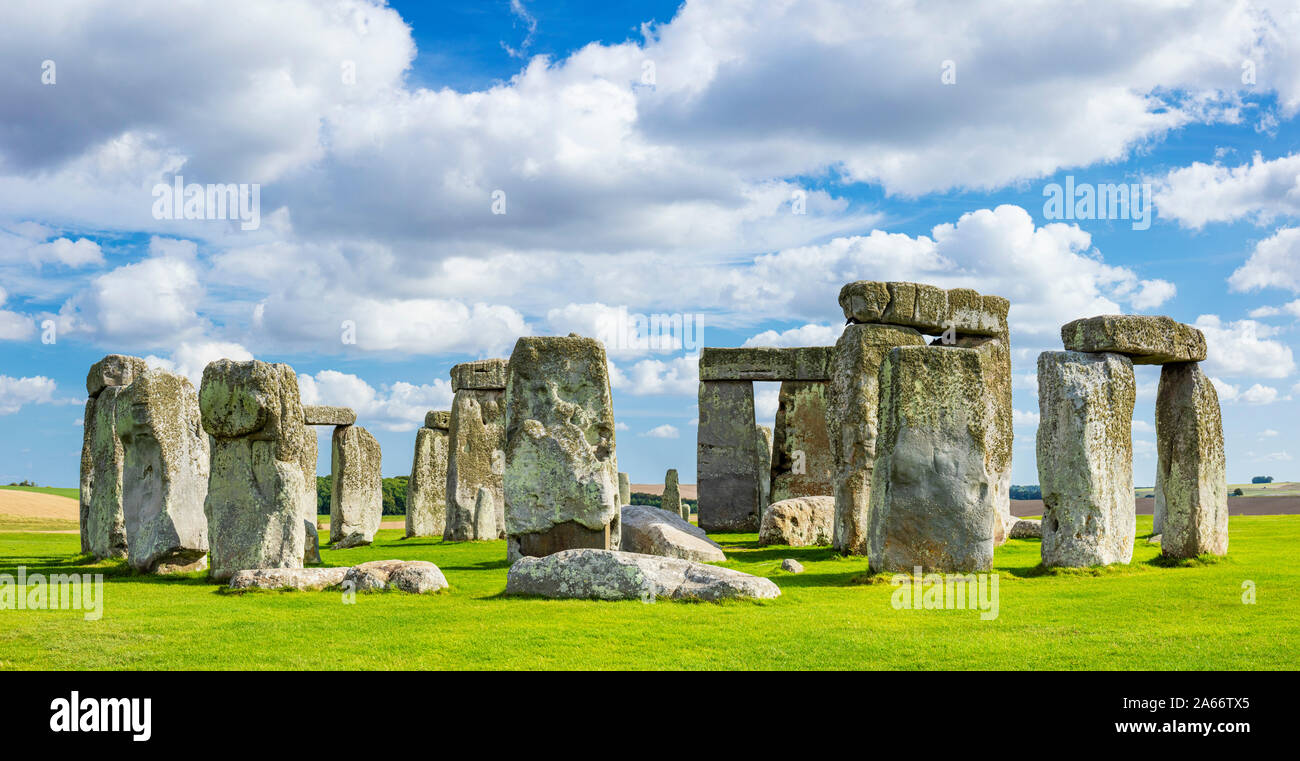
(1191, 475)
(1145, 339)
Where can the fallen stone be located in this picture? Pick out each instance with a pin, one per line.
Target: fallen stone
(303, 579)
(1085, 457)
(801, 464)
(561, 475)
(412, 576)
(624, 489)
(725, 458)
(357, 496)
(611, 575)
(1145, 339)
(1025, 528)
(926, 308)
(799, 522)
(426, 490)
(319, 414)
(852, 424)
(1191, 475)
(766, 364)
(164, 473)
(651, 531)
(792, 565)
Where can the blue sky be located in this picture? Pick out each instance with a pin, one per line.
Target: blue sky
(649, 159)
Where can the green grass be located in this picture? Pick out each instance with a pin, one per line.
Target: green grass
(72, 493)
(1140, 616)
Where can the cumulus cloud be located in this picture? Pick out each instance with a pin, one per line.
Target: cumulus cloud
(664, 431)
(1260, 191)
(400, 406)
(1259, 394)
(653, 377)
(14, 326)
(1024, 419)
(189, 359)
(80, 253)
(17, 392)
(1291, 308)
(1274, 263)
(1244, 347)
(808, 335)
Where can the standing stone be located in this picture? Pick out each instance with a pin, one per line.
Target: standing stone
(357, 496)
(852, 415)
(624, 489)
(727, 479)
(801, 452)
(164, 473)
(561, 479)
(1085, 457)
(1191, 476)
(932, 492)
(102, 524)
(256, 489)
(426, 492)
(763, 450)
(485, 514)
(998, 395)
(672, 498)
(476, 444)
(308, 455)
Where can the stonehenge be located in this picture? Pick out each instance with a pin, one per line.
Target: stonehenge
(672, 496)
(798, 522)
(1191, 472)
(476, 440)
(103, 523)
(357, 495)
(801, 461)
(561, 472)
(605, 575)
(426, 491)
(651, 531)
(624, 489)
(763, 453)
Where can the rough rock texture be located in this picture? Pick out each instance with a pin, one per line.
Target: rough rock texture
(798, 522)
(1145, 339)
(164, 473)
(1025, 528)
(476, 456)
(791, 565)
(852, 423)
(426, 491)
(1085, 457)
(561, 479)
(1191, 476)
(726, 475)
(256, 485)
(998, 395)
(763, 463)
(651, 531)
(307, 457)
(113, 370)
(766, 363)
(438, 420)
(319, 414)
(672, 496)
(483, 374)
(105, 521)
(609, 575)
(925, 307)
(357, 495)
(934, 490)
(802, 465)
(624, 489)
(87, 474)
(485, 514)
(303, 579)
(413, 576)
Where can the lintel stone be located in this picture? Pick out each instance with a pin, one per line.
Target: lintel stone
(763, 363)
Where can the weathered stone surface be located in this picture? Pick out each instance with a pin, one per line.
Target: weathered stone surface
(483, 374)
(438, 419)
(798, 522)
(87, 474)
(426, 491)
(763, 363)
(933, 493)
(997, 393)
(256, 487)
(624, 489)
(672, 496)
(1025, 528)
(165, 462)
(302, 579)
(308, 454)
(852, 423)
(727, 483)
(485, 514)
(105, 521)
(791, 565)
(561, 466)
(1085, 457)
(413, 576)
(357, 495)
(320, 414)
(1145, 339)
(1191, 475)
(113, 370)
(475, 459)
(802, 464)
(651, 531)
(763, 465)
(608, 575)
(925, 307)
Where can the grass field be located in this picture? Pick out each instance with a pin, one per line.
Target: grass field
(72, 493)
(1141, 616)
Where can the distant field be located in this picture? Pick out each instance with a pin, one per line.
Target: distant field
(73, 493)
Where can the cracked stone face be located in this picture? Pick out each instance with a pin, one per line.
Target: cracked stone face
(357, 495)
(801, 464)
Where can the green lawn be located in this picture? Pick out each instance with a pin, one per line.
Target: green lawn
(1142, 616)
(73, 493)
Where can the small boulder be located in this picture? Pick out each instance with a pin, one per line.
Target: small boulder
(652, 531)
(1025, 528)
(305, 579)
(414, 576)
(613, 575)
(798, 522)
(791, 565)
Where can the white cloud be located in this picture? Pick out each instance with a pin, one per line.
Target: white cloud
(1262, 190)
(1152, 293)
(1142, 426)
(1227, 392)
(1268, 433)
(621, 426)
(1024, 419)
(189, 359)
(1291, 308)
(1244, 347)
(400, 406)
(13, 325)
(1259, 394)
(16, 392)
(81, 253)
(1275, 263)
(664, 431)
(808, 335)
(652, 377)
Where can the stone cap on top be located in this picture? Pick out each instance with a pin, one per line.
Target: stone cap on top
(320, 414)
(765, 363)
(486, 374)
(1145, 339)
(927, 308)
(113, 370)
(437, 419)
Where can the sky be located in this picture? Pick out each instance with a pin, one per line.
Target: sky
(423, 183)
